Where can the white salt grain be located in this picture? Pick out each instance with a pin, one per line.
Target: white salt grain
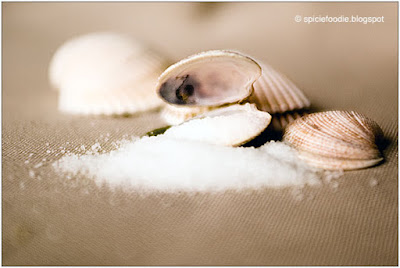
(297, 194)
(38, 165)
(31, 173)
(335, 185)
(373, 182)
(96, 147)
(166, 164)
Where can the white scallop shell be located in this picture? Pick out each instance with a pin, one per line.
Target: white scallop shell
(105, 73)
(230, 126)
(335, 140)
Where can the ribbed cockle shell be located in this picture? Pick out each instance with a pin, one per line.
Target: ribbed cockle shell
(275, 93)
(335, 140)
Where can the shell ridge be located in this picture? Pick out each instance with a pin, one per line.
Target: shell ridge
(297, 95)
(260, 95)
(279, 92)
(331, 163)
(278, 104)
(357, 129)
(335, 140)
(294, 102)
(325, 143)
(341, 129)
(262, 85)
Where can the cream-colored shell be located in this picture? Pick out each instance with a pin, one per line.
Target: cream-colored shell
(233, 125)
(273, 93)
(105, 73)
(335, 140)
(175, 115)
(212, 69)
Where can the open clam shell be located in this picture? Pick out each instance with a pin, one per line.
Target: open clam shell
(237, 76)
(233, 125)
(105, 73)
(336, 140)
(211, 78)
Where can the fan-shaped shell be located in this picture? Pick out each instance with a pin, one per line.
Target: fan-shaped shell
(105, 73)
(211, 78)
(336, 139)
(275, 93)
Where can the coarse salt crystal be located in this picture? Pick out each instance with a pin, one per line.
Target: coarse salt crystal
(373, 182)
(38, 165)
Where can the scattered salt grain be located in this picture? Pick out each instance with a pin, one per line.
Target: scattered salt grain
(373, 182)
(48, 151)
(30, 155)
(26, 162)
(335, 185)
(47, 144)
(38, 165)
(31, 173)
(96, 147)
(297, 194)
(167, 164)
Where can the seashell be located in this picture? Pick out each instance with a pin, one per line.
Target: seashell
(336, 140)
(281, 120)
(211, 78)
(273, 92)
(105, 73)
(174, 115)
(233, 125)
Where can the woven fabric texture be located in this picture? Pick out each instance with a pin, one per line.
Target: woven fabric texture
(50, 220)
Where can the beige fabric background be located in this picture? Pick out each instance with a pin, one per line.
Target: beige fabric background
(48, 220)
